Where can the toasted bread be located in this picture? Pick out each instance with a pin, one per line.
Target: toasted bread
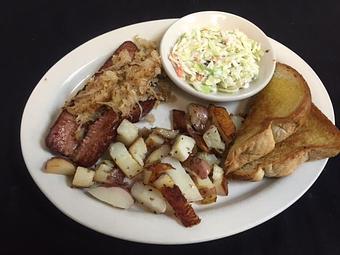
(318, 138)
(275, 114)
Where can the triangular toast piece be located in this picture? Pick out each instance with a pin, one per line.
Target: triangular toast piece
(318, 138)
(276, 113)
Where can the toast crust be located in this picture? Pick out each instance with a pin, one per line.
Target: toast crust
(318, 138)
(261, 130)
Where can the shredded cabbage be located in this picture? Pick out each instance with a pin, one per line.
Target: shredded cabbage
(213, 60)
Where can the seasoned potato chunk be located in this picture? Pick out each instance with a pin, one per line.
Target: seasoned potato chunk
(138, 150)
(83, 177)
(127, 132)
(124, 160)
(182, 147)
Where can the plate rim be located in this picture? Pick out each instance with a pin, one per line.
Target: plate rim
(141, 240)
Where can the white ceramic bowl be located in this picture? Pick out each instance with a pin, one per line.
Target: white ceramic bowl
(225, 21)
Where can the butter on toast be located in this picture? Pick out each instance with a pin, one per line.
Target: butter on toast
(318, 138)
(276, 113)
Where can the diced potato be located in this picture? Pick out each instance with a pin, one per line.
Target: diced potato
(102, 173)
(147, 176)
(83, 177)
(124, 160)
(205, 187)
(182, 180)
(223, 122)
(59, 166)
(166, 133)
(198, 139)
(152, 172)
(197, 165)
(220, 181)
(179, 120)
(144, 132)
(154, 141)
(182, 209)
(213, 139)
(114, 196)
(149, 197)
(211, 159)
(182, 147)
(163, 181)
(158, 154)
(127, 132)
(138, 150)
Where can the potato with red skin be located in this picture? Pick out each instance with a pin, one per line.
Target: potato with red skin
(198, 166)
(198, 115)
(206, 188)
(58, 165)
(222, 120)
(157, 170)
(201, 144)
(183, 210)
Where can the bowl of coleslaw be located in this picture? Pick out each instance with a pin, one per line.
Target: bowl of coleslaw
(217, 56)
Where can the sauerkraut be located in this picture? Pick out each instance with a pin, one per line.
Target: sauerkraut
(121, 85)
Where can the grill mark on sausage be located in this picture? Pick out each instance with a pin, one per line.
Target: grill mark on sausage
(97, 139)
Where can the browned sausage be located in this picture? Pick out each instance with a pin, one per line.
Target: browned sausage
(61, 138)
(128, 45)
(139, 111)
(97, 139)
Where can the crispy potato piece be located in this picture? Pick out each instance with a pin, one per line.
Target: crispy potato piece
(158, 154)
(149, 197)
(154, 141)
(205, 187)
(166, 133)
(124, 160)
(198, 166)
(182, 147)
(198, 139)
(59, 165)
(210, 158)
(179, 121)
(183, 210)
(138, 150)
(110, 175)
(182, 179)
(103, 173)
(127, 132)
(83, 177)
(163, 181)
(220, 181)
(213, 139)
(222, 120)
(154, 171)
(198, 115)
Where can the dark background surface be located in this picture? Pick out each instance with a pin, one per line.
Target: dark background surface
(36, 34)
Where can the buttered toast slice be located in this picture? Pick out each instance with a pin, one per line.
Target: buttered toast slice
(277, 111)
(318, 138)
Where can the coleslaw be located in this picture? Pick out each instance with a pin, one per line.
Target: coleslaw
(213, 60)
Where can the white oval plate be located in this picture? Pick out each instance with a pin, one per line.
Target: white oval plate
(248, 204)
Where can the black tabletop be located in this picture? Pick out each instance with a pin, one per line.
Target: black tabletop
(36, 34)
